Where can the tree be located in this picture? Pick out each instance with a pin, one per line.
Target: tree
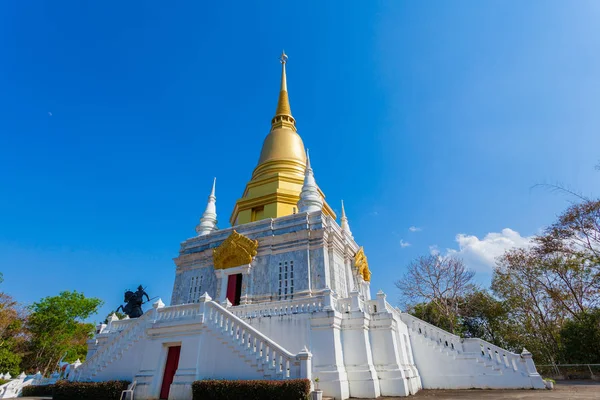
(576, 234)
(12, 335)
(57, 328)
(580, 339)
(441, 281)
(483, 316)
(555, 282)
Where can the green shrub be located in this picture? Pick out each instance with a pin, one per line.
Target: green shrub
(3, 381)
(293, 389)
(37, 390)
(109, 390)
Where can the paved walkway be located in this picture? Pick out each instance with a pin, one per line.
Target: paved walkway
(565, 390)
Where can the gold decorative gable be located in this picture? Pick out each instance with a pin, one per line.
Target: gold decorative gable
(236, 250)
(360, 262)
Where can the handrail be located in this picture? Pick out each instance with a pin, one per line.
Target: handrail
(477, 346)
(250, 339)
(256, 332)
(282, 307)
(495, 353)
(178, 311)
(434, 328)
(108, 347)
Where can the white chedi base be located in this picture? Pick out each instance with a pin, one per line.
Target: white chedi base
(356, 348)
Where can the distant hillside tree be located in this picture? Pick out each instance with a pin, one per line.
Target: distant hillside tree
(439, 283)
(56, 327)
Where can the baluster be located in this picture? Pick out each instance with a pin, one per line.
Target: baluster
(260, 349)
(280, 363)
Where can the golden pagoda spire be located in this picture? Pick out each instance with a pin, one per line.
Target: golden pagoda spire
(276, 183)
(283, 114)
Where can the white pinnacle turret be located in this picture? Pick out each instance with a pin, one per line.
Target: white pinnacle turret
(310, 198)
(208, 222)
(345, 224)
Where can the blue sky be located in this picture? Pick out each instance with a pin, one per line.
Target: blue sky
(114, 118)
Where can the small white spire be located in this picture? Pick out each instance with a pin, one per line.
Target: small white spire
(310, 198)
(345, 224)
(208, 222)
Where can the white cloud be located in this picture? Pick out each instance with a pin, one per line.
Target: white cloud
(434, 250)
(49, 114)
(481, 254)
(415, 229)
(404, 244)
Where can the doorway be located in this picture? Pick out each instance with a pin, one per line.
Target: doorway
(234, 289)
(170, 369)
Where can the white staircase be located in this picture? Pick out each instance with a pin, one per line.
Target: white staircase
(446, 361)
(261, 353)
(113, 350)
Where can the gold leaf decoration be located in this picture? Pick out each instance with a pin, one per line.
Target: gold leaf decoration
(360, 262)
(236, 250)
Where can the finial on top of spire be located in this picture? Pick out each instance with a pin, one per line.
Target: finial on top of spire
(344, 220)
(208, 222)
(283, 114)
(307, 160)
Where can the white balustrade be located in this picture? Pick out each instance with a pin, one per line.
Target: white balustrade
(267, 352)
(273, 358)
(478, 347)
(182, 311)
(438, 335)
(495, 354)
(109, 351)
(282, 307)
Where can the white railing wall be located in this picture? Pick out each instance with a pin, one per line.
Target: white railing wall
(276, 361)
(283, 307)
(267, 352)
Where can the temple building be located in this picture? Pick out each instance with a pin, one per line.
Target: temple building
(285, 293)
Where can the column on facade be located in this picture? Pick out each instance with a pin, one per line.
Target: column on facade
(358, 358)
(328, 358)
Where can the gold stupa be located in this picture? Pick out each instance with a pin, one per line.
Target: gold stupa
(274, 189)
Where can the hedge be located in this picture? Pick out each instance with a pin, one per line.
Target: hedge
(38, 391)
(292, 389)
(109, 390)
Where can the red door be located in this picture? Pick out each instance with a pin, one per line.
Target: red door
(234, 288)
(170, 369)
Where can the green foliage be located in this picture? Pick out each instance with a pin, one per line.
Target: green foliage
(12, 335)
(3, 381)
(38, 391)
(9, 362)
(56, 328)
(580, 339)
(293, 389)
(109, 390)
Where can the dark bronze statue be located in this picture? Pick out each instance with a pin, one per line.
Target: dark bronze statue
(134, 301)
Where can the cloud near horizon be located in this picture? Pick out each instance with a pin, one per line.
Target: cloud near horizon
(481, 254)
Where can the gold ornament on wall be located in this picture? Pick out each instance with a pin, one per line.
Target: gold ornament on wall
(236, 250)
(361, 263)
